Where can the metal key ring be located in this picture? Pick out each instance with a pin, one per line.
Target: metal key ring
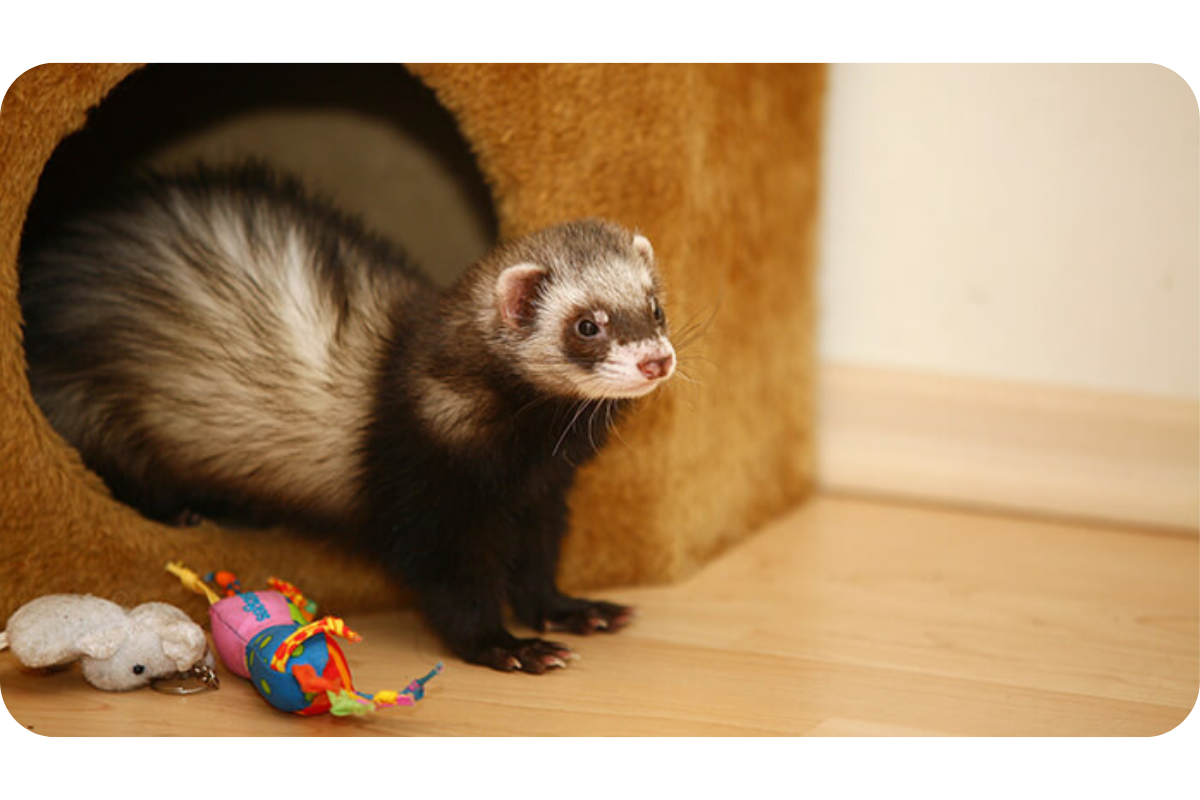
(199, 678)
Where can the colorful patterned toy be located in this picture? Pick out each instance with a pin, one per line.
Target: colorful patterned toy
(271, 639)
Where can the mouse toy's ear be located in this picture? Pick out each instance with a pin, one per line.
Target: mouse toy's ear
(103, 643)
(516, 291)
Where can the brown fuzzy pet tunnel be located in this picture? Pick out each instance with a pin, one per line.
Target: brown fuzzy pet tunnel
(716, 164)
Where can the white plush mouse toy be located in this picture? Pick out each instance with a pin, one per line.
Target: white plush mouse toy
(119, 649)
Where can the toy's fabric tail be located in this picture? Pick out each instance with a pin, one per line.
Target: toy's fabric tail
(416, 689)
(351, 703)
(3, 640)
(344, 700)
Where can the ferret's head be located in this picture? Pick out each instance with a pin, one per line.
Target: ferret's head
(577, 309)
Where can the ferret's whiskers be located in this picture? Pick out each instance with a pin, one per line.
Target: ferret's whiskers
(613, 427)
(680, 372)
(582, 404)
(606, 421)
(694, 329)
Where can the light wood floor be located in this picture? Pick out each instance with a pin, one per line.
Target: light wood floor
(847, 617)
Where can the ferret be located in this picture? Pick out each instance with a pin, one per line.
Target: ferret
(221, 343)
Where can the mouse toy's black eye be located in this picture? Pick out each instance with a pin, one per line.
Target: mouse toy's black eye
(138, 669)
(586, 328)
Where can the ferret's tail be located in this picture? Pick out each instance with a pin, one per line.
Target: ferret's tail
(3, 640)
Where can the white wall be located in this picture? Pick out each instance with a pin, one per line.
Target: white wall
(1032, 222)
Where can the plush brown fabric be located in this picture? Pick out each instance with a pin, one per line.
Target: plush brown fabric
(716, 164)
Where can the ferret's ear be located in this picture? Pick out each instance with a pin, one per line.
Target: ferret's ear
(642, 245)
(516, 290)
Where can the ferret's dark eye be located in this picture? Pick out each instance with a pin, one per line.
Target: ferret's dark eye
(659, 316)
(138, 669)
(587, 329)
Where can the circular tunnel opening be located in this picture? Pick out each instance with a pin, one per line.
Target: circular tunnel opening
(372, 139)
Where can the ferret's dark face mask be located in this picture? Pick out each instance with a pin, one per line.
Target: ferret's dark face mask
(595, 331)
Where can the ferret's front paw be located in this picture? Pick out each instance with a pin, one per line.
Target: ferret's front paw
(588, 616)
(534, 656)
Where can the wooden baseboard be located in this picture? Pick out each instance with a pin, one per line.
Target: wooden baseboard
(1020, 447)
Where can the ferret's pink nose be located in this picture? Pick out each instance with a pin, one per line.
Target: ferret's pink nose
(657, 367)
